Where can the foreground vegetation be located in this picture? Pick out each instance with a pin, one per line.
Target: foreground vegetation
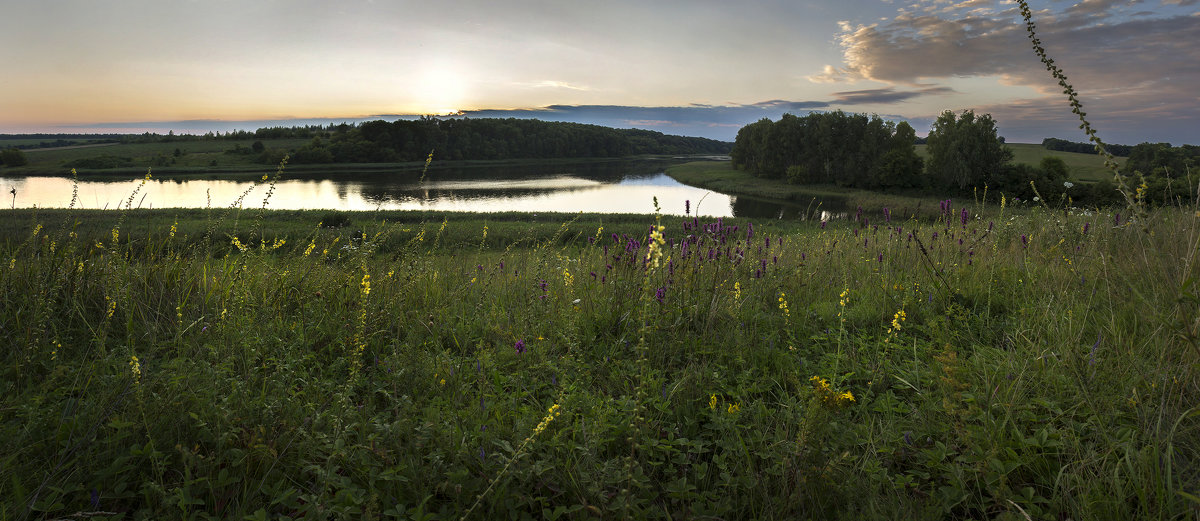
(985, 362)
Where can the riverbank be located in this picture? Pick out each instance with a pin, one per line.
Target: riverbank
(720, 176)
(250, 170)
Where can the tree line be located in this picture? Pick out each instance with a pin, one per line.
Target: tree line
(964, 153)
(853, 150)
(488, 138)
(1062, 145)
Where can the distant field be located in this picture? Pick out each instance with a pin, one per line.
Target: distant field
(192, 154)
(1084, 167)
(6, 142)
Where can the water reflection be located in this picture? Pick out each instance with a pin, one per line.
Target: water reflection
(615, 187)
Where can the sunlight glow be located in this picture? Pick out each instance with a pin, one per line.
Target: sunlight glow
(439, 90)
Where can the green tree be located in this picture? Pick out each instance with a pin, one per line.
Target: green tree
(964, 150)
(13, 157)
(1055, 168)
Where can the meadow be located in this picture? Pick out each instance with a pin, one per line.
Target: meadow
(1087, 168)
(985, 361)
(721, 176)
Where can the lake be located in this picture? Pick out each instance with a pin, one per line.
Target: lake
(600, 187)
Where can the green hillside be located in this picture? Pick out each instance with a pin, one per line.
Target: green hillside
(1084, 167)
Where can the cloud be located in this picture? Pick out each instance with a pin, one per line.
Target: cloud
(1133, 71)
(550, 84)
(885, 95)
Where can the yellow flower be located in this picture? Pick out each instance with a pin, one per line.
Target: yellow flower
(712, 402)
(135, 368)
(551, 413)
(734, 408)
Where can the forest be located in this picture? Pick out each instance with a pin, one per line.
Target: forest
(470, 139)
(963, 153)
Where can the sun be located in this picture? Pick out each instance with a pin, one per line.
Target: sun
(439, 90)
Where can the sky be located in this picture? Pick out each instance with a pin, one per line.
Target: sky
(688, 67)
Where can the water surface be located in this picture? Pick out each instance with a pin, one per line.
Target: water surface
(608, 187)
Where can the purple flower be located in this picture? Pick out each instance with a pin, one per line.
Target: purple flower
(1092, 355)
(1024, 241)
(1086, 226)
(660, 294)
(520, 347)
(963, 216)
(887, 215)
(687, 207)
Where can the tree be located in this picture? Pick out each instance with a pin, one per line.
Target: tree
(13, 157)
(964, 150)
(1055, 168)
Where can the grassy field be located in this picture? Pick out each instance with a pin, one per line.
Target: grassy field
(720, 176)
(982, 362)
(193, 156)
(1083, 167)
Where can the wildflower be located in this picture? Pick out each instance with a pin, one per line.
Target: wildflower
(783, 305)
(733, 408)
(712, 402)
(1068, 184)
(737, 290)
(174, 228)
(135, 368)
(897, 319)
(654, 252)
(520, 347)
(551, 413)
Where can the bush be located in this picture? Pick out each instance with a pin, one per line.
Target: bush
(13, 157)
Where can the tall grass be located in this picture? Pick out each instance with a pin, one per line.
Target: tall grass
(984, 362)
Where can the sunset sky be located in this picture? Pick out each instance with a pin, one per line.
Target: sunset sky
(694, 67)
